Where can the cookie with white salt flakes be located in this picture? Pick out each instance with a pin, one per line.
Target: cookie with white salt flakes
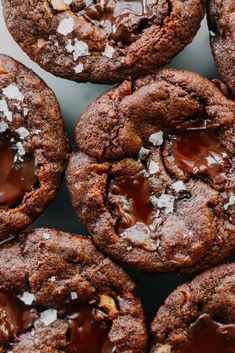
(33, 146)
(152, 175)
(111, 39)
(60, 294)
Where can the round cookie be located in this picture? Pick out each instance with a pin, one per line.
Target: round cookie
(59, 294)
(152, 172)
(221, 21)
(198, 316)
(103, 41)
(33, 146)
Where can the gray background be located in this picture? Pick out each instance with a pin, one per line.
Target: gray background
(73, 99)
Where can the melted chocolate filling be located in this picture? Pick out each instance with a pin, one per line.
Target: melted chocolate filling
(208, 336)
(15, 316)
(86, 333)
(15, 178)
(197, 150)
(131, 196)
(119, 17)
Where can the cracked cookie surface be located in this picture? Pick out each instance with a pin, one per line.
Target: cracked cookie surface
(33, 146)
(103, 41)
(152, 172)
(59, 294)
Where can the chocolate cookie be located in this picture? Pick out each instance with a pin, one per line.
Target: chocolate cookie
(59, 294)
(198, 317)
(221, 21)
(32, 146)
(152, 172)
(102, 41)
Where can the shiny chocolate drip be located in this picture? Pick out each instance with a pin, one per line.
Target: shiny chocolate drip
(15, 316)
(87, 335)
(119, 17)
(15, 178)
(208, 336)
(131, 196)
(197, 150)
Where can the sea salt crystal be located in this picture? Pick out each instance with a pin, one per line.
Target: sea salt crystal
(157, 138)
(20, 148)
(153, 167)
(22, 132)
(108, 51)
(230, 202)
(4, 109)
(179, 186)
(25, 111)
(52, 279)
(143, 153)
(20, 152)
(46, 236)
(3, 126)
(79, 48)
(3, 105)
(66, 26)
(12, 92)
(164, 201)
(48, 316)
(74, 295)
(27, 298)
(79, 68)
(8, 115)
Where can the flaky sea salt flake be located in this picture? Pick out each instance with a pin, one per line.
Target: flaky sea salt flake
(157, 138)
(27, 298)
(143, 153)
(3, 126)
(179, 186)
(66, 26)
(79, 68)
(12, 92)
(22, 132)
(79, 48)
(48, 316)
(230, 202)
(108, 51)
(73, 295)
(153, 167)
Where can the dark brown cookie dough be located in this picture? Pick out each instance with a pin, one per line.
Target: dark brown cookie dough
(221, 21)
(33, 146)
(103, 41)
(199, 316)
(152, 172)
(59, 294)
